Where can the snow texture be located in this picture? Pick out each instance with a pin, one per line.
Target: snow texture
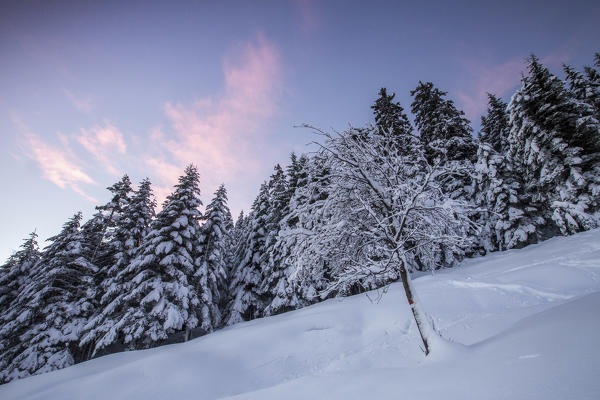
(520, 324)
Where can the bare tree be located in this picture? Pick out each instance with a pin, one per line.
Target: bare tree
(384, 214)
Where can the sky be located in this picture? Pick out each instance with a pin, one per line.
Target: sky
(92, 90)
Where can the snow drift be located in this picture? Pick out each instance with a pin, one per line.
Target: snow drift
(519, 324)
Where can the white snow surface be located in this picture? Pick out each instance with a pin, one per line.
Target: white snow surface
(520, 324)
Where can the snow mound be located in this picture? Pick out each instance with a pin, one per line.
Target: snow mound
(518, 324)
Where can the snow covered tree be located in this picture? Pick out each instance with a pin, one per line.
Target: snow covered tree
(291, 290)
(101, 246)
(444, 130)
(593, 74)
(98, 231)
(446, 136)
(586, 87)
(384, 211)
(130, 231)
(15, 273)
(494, 125)
(509, 219)
(215, 248)
(136, 220)
(282, 296)
(554, 142)
(247, 301)
(239, 233)
(271, 258)
(51, 310)
(391, 120)
(162, 295)
(229, 256)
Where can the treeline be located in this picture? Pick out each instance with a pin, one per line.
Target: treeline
(371, 203)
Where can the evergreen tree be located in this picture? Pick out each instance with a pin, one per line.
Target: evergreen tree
(494, 125)
(585, 88)
(162, 296)
(247, 301)
(555, 142)
(292, 172)
(99, 230)
(229, 257)
(307, 213)
(129, 234)
(297, 176)
(509, 219)
(215, 245)
(446, 137)
(392, 122)
(444, 130)
(239, 234)
(283, 294)
(577, 82)
(272, 270)
(51, 310)
(592, 74)
(15, 273)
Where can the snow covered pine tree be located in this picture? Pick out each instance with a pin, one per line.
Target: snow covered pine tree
(246, 301)
(554, 142)
(131, 229)
(162, 296)
(508, 217)
(47, 317)
(215, 248)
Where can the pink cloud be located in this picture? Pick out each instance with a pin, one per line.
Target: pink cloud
(59, 163)
(484, 77)
(58, 166)
(104, 143)
(222, 135)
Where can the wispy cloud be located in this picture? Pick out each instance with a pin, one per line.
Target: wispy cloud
(221, 135)
(104, 143)
(485, 78)
(57, 165)
(82, 104)
(60, 163)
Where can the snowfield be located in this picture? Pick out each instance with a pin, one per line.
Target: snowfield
(521, 324)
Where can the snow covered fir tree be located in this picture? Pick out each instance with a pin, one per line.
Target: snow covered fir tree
(369, 207)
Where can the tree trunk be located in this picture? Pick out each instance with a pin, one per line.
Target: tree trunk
(422, 324)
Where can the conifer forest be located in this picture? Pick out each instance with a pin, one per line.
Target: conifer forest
(413, 190)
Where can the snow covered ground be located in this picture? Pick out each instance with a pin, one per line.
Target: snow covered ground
(524, 324)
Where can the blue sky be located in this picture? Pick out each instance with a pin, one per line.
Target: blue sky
(92, 90)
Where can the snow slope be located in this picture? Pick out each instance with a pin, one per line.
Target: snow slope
(524, 325)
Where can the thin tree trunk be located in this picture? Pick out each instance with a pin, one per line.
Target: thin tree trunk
(422, 324)
(90, 350)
